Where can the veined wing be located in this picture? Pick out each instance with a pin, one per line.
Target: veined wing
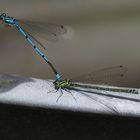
(35, 40)
(47, 31)
(103, 76)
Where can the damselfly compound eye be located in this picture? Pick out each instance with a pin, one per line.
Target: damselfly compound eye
(3, 14)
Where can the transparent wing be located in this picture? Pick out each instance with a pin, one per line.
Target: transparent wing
(103, 76)
(46, 27)
(35, 40)
(47, 31)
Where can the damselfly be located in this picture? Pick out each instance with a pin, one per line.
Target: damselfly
(51, 31)
(27, 28)
(97, 77)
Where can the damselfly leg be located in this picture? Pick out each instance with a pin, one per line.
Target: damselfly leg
(63, 85)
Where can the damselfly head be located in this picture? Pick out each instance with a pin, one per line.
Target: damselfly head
(2, 16)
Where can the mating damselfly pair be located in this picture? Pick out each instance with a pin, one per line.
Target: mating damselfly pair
(50, 32)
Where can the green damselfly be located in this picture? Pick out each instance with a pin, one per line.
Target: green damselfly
(102, 77)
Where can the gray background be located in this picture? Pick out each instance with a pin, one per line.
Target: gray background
(99, 34)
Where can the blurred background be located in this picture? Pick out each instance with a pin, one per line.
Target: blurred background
(99, 34)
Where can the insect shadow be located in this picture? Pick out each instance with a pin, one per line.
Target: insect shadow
(87, 93)
(111, 108)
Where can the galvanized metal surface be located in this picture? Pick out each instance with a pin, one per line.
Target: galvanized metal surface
(41, 93)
